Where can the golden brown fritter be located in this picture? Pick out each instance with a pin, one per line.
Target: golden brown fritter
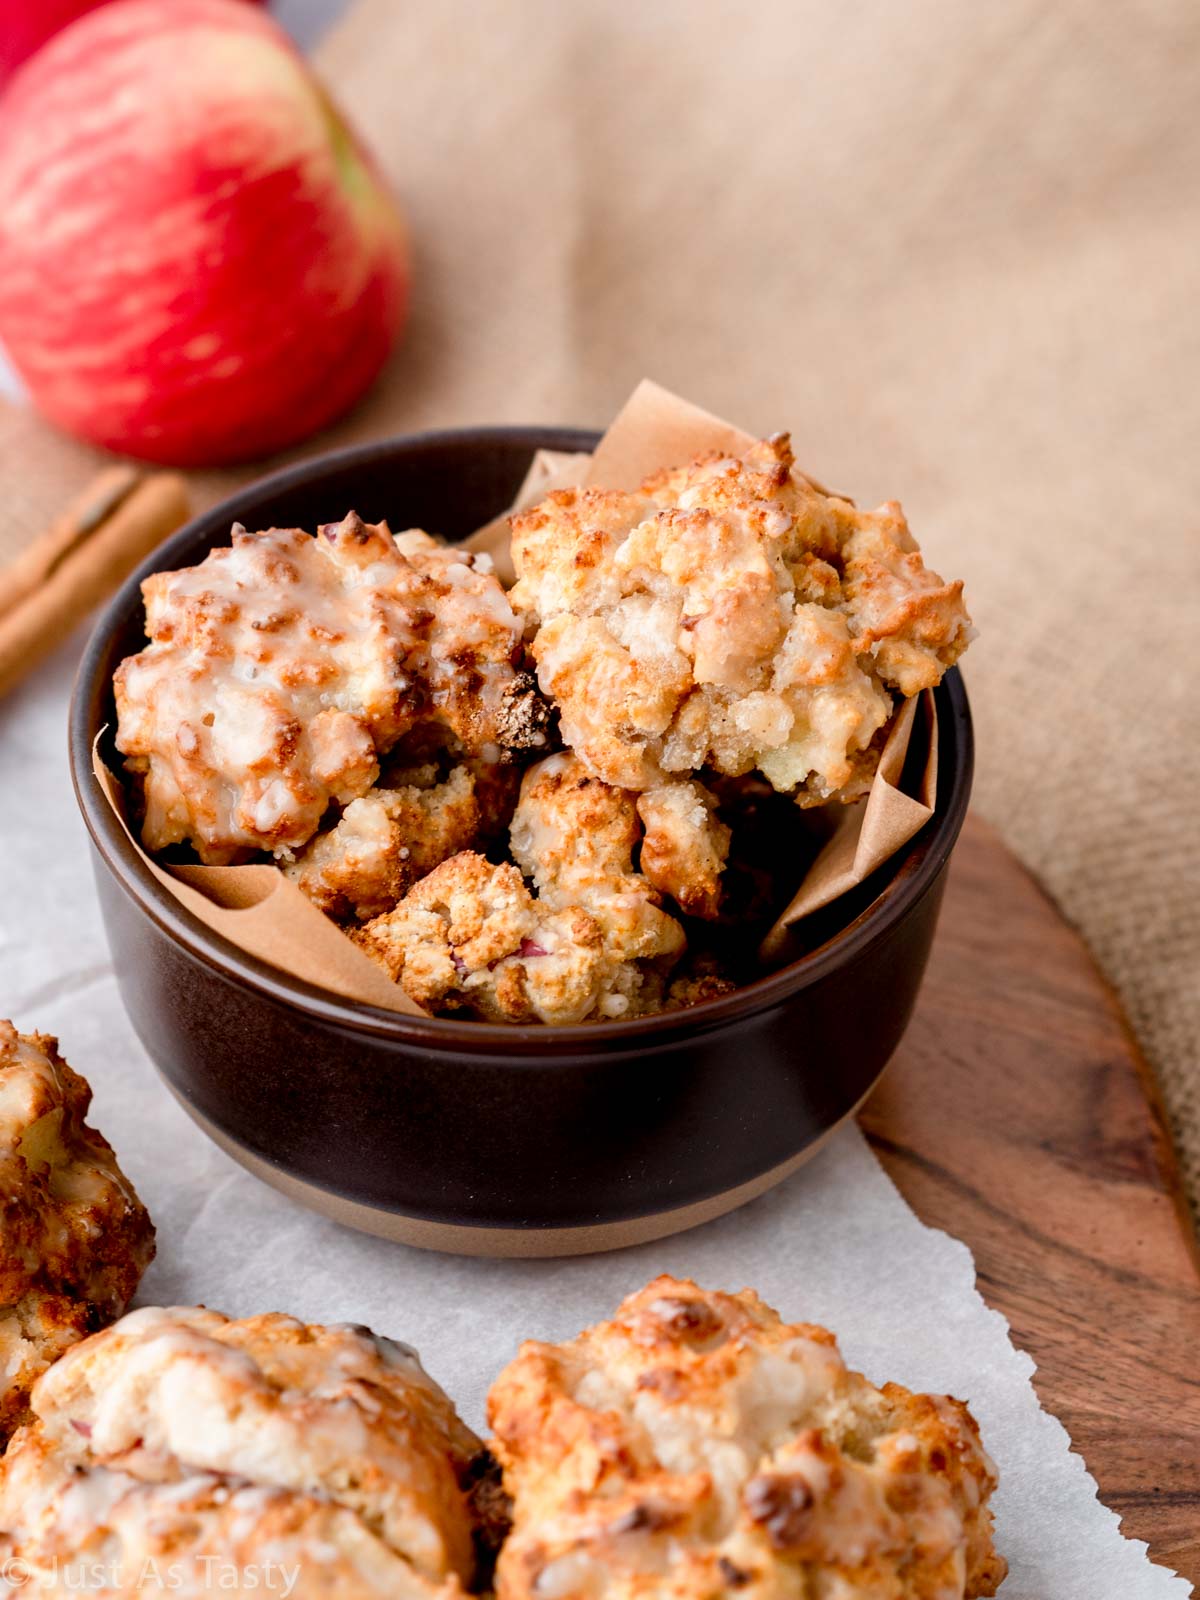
(74, 1237)
(696, 1446)
(730, 614)
(281, 668)
(382, 844)
(593, 941)
(409, 823)
(685, 845)
(575, 835)
(180, 1437)
(470, 937)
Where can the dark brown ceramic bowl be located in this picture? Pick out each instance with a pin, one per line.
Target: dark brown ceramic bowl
(470, 1136)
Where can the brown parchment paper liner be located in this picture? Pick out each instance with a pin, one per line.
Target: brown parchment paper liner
(262, 912)
(867, 834)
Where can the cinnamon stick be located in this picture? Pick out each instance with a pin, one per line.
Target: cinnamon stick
(77, 562)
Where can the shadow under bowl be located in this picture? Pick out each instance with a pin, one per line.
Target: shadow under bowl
(473, 1137)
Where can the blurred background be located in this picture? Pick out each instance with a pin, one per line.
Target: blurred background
(953, 248)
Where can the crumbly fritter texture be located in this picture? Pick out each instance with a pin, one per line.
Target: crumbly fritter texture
(280, 669)
(430, 751)
(179, 1435)
(594, 940)
(400, 830)
(685, 845)
(383, 843)
(697, 1446)
(575, 835)
(74, 1237)
(730, 614)
(470, 937)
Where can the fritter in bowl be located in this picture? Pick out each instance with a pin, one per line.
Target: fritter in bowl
(415, 817)
(279, 670)
(574, 836)
(471, 938)
(729, 614)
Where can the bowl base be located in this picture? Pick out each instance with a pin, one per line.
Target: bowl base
(458, 1239)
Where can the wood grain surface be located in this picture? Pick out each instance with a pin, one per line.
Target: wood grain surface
(1020, 1116)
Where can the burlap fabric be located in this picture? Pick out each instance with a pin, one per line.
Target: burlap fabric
(953, 247)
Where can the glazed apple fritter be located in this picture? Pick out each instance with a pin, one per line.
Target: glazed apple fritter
(279, 670)
(730, 614)
(74, 1237)
(696, 1446)
(181, 1437)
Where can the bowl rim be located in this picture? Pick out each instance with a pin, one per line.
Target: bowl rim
(917, 866)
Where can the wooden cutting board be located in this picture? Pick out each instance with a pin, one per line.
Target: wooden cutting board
(1020, 1116)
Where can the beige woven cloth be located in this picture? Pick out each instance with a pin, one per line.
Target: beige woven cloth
(956, 248)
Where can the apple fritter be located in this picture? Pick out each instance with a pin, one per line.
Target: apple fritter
(410, 822)
(74, 1237)
(279, 670)
(179, 1439)
(471, 937)
(730, 614)
(697, 1446)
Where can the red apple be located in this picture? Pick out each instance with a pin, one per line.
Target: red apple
(198, 261)
(25, 25)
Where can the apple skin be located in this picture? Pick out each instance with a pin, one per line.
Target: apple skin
(25, 25)
(198, 262)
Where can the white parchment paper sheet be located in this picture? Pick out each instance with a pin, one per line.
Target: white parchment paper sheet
(835, 1245)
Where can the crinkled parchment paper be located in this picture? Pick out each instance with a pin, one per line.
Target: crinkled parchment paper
(258, 909)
